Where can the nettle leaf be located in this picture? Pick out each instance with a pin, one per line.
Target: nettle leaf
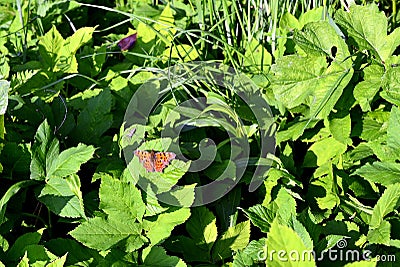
(63, 196)
(389, 201)
(202, 227)
(102, 234)
(162, 227)
(365, 91)
(234, 239)
(368, 27)
(120, 200)
(69, 161)
(311, 80)
(95, 118)
(281, 237)
(384, 173)
(156, 256)
(45, 150)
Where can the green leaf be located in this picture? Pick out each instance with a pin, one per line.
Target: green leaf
(261, 216)
(38, 254)
(69, 161)
(310, 80)
(318, 39)
(384, 173)
(95, 118)
(101, 234)
(79, 38)
(63, 196)
(256, 58)
(235, 238)
(59, 262)
(380, 234)
(49, 47)
(121, 200)
(251, 254)
(11, 191)
(44, 151)
(202, 227)
(283, 238)
(322, 151)
(340, 127)
(368, 27)
(388, 202)
(162, 227)
(365, 91)
(367, 263)
(156, 256)
(393, 137)
(17, 250)
(4, 86)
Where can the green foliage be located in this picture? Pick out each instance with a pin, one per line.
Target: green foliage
(330, 73)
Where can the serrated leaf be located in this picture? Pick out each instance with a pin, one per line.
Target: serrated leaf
(261, 216)
(380, 234)
(322, 151)
(365, 91)
(18, 248)
(44, 151)
(235, 238)
(384, 173)
(393, 137)
(368, 26)
(49, 47)
(156, 256)
(202, 227)
(63, 196)
(340, 127)
(388, 202)
(162, 227)
(95, 118)
(281, 237)
(69, 161)
(59, 262)
(120, 200)
(101, 234)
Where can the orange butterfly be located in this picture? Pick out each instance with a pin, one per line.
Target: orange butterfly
(154, 161)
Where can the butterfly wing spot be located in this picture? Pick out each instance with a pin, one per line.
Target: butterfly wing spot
(162, 160)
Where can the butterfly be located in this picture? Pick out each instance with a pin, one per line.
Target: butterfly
(154, 161)
(127, 42)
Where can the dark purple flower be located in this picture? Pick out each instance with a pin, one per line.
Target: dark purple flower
(127, 42)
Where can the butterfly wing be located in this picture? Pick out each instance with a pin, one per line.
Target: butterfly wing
(162, 159)
(127, 42)
(146, 159)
